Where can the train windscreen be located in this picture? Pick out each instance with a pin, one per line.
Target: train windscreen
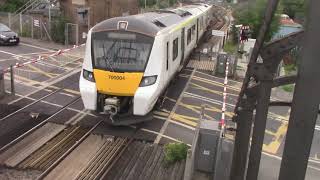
(121, 51)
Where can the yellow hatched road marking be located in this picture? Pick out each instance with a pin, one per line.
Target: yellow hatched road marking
(214, 83)
(273, 146)
(197, 86)
(72, 91)
(160, 113)
(29, 82)
(41, 71)
(185, 119)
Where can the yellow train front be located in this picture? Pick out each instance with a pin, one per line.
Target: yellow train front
(130, 61)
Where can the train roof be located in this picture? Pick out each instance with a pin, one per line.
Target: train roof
(151, 23)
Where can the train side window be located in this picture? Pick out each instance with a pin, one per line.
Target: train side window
(193, 31)
(175, 48)
(167, 56)
(189, 36)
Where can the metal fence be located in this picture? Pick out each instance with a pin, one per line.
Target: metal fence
(37, 27)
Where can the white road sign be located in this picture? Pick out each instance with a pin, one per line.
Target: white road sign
(36, 22)
(217, 33)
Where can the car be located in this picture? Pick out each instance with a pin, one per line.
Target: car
(7, 36)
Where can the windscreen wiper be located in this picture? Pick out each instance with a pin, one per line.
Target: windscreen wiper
(106, 59)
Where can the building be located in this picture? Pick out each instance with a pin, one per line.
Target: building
(87, 13)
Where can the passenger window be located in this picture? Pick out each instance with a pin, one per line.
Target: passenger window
(189, 36)
(167, 55)
(193, 30)
(175, 48)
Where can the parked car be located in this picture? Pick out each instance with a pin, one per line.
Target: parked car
(7, 36)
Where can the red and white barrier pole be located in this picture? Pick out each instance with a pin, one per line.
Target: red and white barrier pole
(223, 109)
(40, 58)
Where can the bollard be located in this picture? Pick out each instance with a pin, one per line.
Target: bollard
(12, 80)
(2, 89)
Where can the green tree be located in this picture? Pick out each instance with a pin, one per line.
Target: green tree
(294, 8)
(253, 16)
(12, 5)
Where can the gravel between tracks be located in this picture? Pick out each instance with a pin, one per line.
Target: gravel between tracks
(11, 174)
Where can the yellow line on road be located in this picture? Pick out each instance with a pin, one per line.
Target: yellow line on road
(29, 82)
(217, 77)
(185, 119)
(214, 83)
(197, 86)
(273, 146)
(160, 113)
(72, 91)
(41, 71)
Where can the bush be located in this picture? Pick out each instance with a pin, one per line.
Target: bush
(58, 28)
(230, 47)
(175, 152)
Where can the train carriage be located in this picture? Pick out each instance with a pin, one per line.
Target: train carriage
(130, 61)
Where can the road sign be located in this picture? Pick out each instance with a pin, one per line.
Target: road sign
(36, 22)
(218, 33)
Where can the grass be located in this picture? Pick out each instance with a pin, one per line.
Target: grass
(230, 47)
(288, 87)
(289, 69)
(175, 152)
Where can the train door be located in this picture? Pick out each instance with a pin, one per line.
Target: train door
(197, 30)
(182, 46)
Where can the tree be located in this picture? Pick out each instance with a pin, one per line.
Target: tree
(293, 8)
(12, 5)
(253, 15)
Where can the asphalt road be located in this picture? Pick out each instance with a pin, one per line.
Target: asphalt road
(175, 121)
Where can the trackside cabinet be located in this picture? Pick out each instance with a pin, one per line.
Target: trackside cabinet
(207, 146)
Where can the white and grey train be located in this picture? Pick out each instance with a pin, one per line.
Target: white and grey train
(130, 61)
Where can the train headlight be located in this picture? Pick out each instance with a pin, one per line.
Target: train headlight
(148, 80)
(88, 75)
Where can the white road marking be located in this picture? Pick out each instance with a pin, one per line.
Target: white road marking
(68, 74)
(280, 158)
(317, 128)
(162, 135)
(36, 47)
(57, 105)
(164, 127)
(5, 52)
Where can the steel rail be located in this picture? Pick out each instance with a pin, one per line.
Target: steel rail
(46, 172)
(37, 126)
